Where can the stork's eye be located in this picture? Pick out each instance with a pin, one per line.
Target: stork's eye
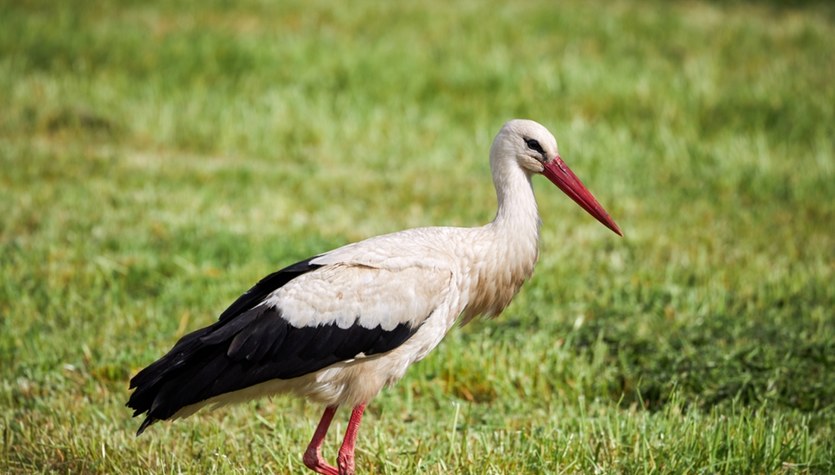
(533, 144)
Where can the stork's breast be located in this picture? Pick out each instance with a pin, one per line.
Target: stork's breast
(492, 292)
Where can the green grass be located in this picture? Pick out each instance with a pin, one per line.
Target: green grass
(157, 158)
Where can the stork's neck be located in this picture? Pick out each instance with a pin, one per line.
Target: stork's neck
(508, 246)
(517, 216)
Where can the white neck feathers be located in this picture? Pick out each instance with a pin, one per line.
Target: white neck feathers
(510, 242)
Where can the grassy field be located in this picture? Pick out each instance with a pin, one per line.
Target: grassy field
(157, 158)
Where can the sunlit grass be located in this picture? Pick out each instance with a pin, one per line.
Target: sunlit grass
(157, 159)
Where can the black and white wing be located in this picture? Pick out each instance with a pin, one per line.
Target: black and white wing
(293, 322)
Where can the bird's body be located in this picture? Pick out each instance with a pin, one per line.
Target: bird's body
(340, 326)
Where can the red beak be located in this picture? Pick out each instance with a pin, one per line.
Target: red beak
(558, 172)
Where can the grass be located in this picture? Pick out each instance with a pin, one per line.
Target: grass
(159, 157)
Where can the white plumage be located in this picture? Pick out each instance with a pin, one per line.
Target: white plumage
(339, 327)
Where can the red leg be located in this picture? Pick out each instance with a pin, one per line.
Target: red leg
(313, 455)
(345, 459)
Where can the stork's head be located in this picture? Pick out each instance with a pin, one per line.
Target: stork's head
(534, 150)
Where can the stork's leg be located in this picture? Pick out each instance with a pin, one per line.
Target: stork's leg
(345, 459)
(313, 455)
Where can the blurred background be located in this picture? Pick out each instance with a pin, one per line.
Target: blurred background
(157, 158)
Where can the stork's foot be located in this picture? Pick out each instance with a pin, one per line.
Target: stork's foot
(345, 460)
(314, 461)
(345, 463)
(313, 455)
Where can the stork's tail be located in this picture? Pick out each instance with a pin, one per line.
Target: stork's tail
(145, 424)
(167, 385)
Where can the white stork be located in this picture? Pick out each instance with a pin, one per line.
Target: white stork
(339, 326)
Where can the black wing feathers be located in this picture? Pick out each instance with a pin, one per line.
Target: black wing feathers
(266, 286)
(248, 345)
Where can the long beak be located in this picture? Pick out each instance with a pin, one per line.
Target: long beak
(558, 172)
